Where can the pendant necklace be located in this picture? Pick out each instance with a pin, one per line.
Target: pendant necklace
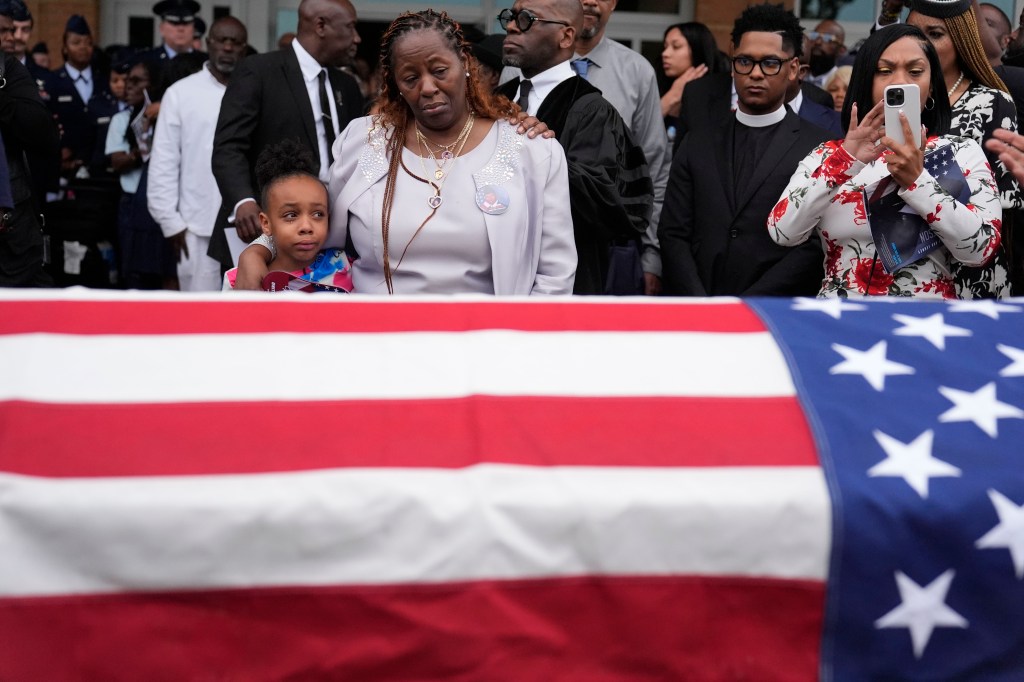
(440, 175)
(448, 151)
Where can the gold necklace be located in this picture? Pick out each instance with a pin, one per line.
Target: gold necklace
(447, 155)
(434, 201)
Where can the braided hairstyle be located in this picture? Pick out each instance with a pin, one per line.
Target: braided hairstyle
(963, 30)
(281, 160)
(395, 113)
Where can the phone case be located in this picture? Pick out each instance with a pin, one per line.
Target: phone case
(911, 107)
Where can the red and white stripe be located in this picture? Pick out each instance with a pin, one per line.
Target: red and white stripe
(260, 487)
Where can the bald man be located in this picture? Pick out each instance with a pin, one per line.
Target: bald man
(610, 191)
(297, 92)
(827, 45)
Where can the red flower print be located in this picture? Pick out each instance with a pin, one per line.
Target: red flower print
(834, 168)
(943, 287)
(857, 199)
(778, 212)
(832, 256)
(997, 239)
(868, 282)
(932, 217)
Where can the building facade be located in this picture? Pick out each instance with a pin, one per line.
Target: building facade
(638, 23)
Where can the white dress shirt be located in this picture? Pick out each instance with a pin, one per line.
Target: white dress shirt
(82, 80)
(310, 73)
(182, 192)
(544, 82)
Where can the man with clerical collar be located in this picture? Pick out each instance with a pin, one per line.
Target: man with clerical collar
(610, 190)
(177, 27)
(728, 175)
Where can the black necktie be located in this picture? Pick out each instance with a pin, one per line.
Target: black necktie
(325, 109)
(524, 94)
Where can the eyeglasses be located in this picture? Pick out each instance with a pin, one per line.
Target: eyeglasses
(524, 19)
(770, 66)
(825, 37)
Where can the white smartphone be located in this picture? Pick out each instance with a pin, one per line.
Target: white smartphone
(905, 98)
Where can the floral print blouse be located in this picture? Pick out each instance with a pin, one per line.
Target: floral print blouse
(826, 193)
(976, 114)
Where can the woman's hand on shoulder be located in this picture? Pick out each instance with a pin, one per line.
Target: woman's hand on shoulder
(906, 161)
(863, 139)
(531, 126)
(252, 267)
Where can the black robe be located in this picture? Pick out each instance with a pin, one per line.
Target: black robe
(610, 189)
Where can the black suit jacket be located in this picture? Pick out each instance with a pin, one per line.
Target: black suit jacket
(266, 102)
(714, 235)
(815, 94)
(28, 133)
(823, 117)
(610, 189)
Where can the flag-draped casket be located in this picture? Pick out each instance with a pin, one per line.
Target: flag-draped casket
(317, 487)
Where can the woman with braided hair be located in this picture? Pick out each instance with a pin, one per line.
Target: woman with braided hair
(981, 105)
(438, 193)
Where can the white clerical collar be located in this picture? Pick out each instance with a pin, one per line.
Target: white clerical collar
(762, 120)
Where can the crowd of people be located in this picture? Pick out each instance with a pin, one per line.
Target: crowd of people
(549, 159)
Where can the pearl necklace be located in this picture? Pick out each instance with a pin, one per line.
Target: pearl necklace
(956, 85)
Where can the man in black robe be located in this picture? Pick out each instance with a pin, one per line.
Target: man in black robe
(610, 190)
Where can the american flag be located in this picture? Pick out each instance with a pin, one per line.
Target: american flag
(917, 411)
(309, 487)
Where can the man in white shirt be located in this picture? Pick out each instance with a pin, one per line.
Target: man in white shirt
(627, 80)
(183, 196)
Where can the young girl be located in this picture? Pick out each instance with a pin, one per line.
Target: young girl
(294, 216)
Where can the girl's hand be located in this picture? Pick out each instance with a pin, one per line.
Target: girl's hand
(863, 139)
(906, 162)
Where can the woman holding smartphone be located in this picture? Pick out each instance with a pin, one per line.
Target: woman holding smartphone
(829, 191)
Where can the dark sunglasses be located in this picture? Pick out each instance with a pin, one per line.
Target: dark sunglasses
(825, 37)
(524, 19)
